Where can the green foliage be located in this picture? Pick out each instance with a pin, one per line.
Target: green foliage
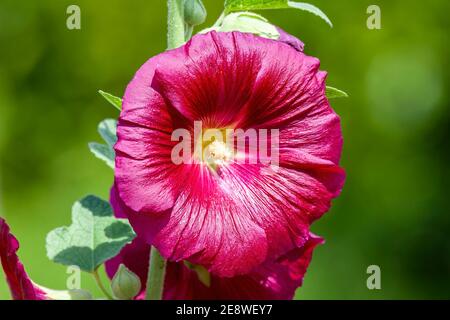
(202, 273)
(115, 101)
(247, 22)
(107, 129)
(243, 5)
(103, 152)
(94, 236)
(333, 93)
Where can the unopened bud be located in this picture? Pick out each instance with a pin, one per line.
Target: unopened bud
(125, 284)
(194, 12)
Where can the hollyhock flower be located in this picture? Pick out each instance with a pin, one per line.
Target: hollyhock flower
(20, 284)
(232, 217)
(22, 288)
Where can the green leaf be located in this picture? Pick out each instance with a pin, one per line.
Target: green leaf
(103, 152)
(115, 101)
(202, 273)
(311, 9)
(94, 236)
(247, 22)
(108, 130)
(333, 93)
(243, 5)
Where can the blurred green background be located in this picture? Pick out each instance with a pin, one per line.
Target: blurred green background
(394, 210)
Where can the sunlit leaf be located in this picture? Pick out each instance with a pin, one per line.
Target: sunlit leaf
(333, 93)
(94, 236)
(244, 5)
(103, 152)
(115, 101)
(107, 129)
(311, 9)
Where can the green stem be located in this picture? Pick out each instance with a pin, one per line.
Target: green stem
(175, 23)
(156, 275)
(100, 284)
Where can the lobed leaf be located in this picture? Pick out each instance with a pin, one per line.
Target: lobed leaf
(94, 236)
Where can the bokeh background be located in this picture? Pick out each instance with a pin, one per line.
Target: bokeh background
(394, 210)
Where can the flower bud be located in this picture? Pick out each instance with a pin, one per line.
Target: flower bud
(194, 12)
(125, 284)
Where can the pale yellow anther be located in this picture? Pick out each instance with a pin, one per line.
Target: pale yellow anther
(218, 153)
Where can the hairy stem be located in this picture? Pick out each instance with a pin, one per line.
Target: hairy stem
(175, 23)
(156, 276)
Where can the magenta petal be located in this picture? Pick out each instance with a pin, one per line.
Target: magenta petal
(207, 230)
(144, 146)
(276, 280)
(146, 225)
(290, 40)
(21, 286)
(211, 78)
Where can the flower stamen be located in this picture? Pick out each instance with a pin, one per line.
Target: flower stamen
(217, 153)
